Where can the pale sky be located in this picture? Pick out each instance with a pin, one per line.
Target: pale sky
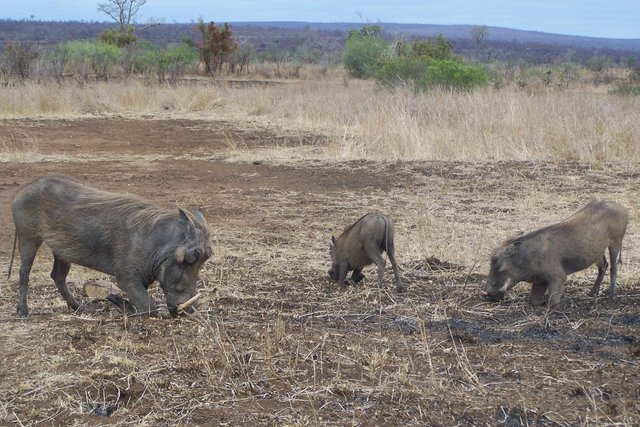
(597, 18)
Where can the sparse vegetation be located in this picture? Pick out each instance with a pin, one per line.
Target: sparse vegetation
(278, 166)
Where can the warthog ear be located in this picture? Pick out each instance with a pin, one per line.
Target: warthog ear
(513, 248)
(180, 254)
(199, 217)
(186, 218)
(333, 239)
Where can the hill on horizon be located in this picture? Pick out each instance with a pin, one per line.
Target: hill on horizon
(500, 44)
(463, 31)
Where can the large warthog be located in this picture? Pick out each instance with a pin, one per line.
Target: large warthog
(118, 235)
(362, 244)
(545, 257)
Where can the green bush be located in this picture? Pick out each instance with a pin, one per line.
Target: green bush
(452, 75)
(626, 88)
(402, 71)
(424, 74)
(170, 62)
(118, 38)
(97, 57)
(363, 55)
(437, 48)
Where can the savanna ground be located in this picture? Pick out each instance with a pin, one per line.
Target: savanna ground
(276, 342)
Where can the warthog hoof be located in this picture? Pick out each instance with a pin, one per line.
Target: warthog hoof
(22, 311)
(494, 297)
(357, 278)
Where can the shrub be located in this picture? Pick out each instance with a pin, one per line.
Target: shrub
(171, 62)
(626, 88)
(437, 48)
(402, 71)
(452, 75)
(119, 38)
(18, 59)
(97, 57)
(363, 54)
(424, 74)
(57, 57)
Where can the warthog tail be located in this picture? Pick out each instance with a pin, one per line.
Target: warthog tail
(13, 252)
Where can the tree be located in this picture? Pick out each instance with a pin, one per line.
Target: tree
(121, 11)
(364, 51)
(119, 38)
(216, 46)
(438, 48)
(479, 34)
(18, 59)
(58, 57)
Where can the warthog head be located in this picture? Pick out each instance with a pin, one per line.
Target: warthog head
(501, 272)
(178, 273)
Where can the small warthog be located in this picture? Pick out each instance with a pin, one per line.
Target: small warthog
(361, 244)
(118, 235)
(546, 256)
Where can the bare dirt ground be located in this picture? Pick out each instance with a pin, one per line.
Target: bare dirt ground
(277, 343)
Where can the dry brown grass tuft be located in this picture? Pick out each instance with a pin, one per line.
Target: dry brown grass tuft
(18, 149)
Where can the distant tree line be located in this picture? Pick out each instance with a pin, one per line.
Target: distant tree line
(211, 49)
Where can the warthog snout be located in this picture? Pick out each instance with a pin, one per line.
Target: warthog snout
(174, 311)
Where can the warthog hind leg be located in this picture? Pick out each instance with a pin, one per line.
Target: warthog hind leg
(602, 268)
(28, 249)
(614, 257)
(394, 265)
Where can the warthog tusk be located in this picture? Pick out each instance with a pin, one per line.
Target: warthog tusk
(188, 303)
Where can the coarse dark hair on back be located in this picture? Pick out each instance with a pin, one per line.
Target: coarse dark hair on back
(349, 227)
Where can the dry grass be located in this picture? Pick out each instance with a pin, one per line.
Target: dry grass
(277, 344)
(363, 121)
(21, 149)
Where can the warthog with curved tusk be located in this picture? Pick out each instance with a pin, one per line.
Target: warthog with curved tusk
(119, 235)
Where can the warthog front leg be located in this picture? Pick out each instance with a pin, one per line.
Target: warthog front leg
(556, 291)
(59, 276)
(536, 297)
(138, 295)
(602, 268)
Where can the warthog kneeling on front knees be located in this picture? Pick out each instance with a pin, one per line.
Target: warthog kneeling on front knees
(546, 257)
(362, 244)
(118, 235)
